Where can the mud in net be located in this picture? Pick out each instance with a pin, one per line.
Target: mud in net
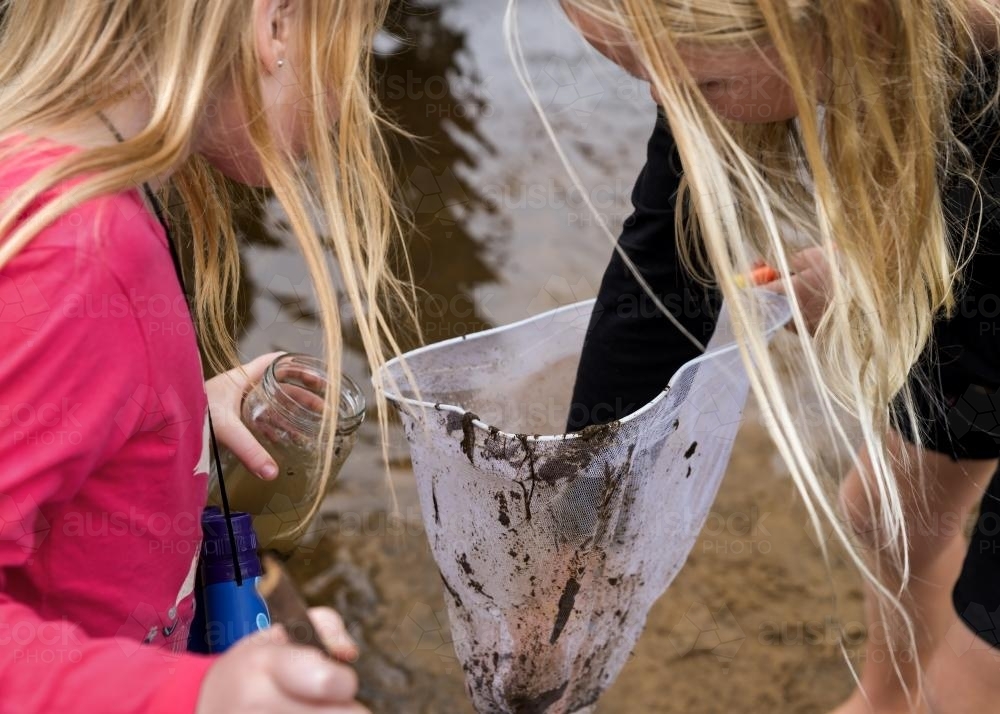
(552, 549)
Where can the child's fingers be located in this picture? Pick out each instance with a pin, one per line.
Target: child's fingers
(768, 279)
(809, 259)
(764, 275)
(759, 276)
(253, 371)
(331, 630)
(810, 282)
(805, 260)
(306, 677)
(242, 379)
(807, 287)
(238, 439)
(775, 286)
(225, 396)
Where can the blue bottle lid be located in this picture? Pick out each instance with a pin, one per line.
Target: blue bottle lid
(217, 555)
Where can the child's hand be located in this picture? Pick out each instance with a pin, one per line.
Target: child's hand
(332, 632)
(225, 398)
(811, 282)
(264, 673)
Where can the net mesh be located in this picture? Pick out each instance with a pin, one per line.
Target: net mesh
(552, 549)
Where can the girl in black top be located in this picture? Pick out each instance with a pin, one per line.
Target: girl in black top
(893, 294)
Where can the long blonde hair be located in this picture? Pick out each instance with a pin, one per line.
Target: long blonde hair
(859, 173)
(71, 59)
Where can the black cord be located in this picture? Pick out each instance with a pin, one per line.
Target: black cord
(175, 256)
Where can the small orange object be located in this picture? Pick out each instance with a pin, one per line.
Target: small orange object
(757, 277)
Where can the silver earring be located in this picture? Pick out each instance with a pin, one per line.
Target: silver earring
(281, 63)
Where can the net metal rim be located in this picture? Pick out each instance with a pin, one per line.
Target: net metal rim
(399, 399)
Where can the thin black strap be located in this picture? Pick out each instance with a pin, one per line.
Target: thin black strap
(175, 257)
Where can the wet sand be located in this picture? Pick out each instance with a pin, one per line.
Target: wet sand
(751, 623)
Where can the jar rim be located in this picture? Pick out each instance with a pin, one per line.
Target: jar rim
(352, 403)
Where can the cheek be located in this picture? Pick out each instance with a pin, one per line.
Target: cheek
(226, 143)
(752, 99)
(284, 103)
(238, 163)
(290, 128)
(293, 112)
(227, 147)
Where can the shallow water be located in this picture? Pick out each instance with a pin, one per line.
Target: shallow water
(502, 235)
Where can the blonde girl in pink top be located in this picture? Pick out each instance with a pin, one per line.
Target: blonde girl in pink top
(103, 450)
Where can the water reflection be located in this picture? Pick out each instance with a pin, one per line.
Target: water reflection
(429, 87)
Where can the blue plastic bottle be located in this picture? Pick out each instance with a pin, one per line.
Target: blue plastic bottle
(227, 612)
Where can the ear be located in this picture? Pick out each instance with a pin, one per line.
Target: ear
(272, 20)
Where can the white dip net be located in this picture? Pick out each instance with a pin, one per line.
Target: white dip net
(552, 549)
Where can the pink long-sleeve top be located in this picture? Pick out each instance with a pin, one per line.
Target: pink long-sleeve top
(103, 460)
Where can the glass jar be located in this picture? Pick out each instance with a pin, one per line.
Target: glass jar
(285, 414)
